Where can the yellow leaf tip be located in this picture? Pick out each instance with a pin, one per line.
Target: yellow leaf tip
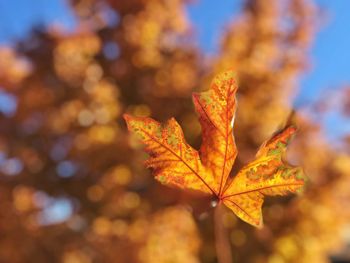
(258, 223)
(226, 76)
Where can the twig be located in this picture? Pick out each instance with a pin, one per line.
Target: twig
(222, 243)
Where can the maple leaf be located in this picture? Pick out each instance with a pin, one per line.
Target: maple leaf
(176, 163)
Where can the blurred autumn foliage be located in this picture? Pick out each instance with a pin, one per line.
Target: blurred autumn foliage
(73, 188)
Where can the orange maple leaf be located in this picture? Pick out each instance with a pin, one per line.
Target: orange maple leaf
(176, 163)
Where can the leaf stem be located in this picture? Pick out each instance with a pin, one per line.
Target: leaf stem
(222, 243)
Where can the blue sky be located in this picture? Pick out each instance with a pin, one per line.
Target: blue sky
(330, 54)
(17, 17)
